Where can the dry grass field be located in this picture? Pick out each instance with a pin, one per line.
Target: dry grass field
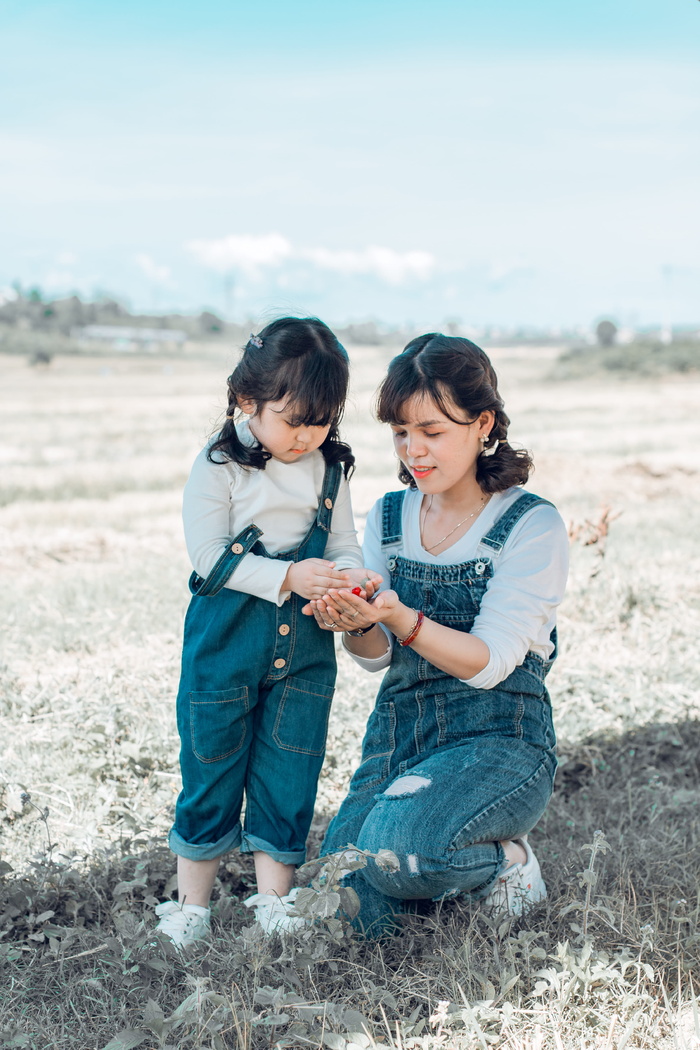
(93, 456)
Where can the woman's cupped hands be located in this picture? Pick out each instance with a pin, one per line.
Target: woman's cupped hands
(353, 608)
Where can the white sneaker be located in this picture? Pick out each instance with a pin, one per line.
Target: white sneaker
(517, 888)
(183, 924)
(273, 912)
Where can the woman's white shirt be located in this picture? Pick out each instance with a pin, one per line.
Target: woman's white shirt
(221, 499)
(518, 610)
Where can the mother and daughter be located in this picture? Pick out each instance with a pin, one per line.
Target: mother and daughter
(455, 594)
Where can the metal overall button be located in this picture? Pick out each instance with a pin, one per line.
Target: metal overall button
(480, 568)
(391, 563)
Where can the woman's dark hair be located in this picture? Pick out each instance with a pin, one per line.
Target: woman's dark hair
(454, 373)
(297, 360)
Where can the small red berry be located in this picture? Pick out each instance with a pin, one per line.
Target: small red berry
(357, 590)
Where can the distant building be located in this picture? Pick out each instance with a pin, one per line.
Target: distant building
(128, 339)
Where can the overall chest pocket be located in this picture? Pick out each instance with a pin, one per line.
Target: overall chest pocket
(301, 724)
(218, 722)
(456, 603)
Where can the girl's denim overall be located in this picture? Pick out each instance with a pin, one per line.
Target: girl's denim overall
(252, 708)
(448, 771)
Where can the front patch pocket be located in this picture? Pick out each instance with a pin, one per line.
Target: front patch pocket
(218, 723)
(302, 717)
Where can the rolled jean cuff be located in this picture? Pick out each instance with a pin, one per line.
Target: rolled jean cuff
(207, 850)
(252, 844)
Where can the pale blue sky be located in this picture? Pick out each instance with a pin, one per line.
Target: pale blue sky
(495, 162)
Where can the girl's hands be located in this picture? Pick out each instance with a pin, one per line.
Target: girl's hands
(313, 577)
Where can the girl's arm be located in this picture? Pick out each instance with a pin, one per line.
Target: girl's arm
(343, 547)
(206, 514)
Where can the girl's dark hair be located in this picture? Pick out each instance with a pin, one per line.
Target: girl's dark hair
(454, 373)
(297, 360)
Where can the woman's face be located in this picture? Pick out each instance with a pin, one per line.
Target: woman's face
(439, 453)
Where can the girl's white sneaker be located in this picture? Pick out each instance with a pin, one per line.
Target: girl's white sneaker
(183, 924)
(517, 888)
(273, 912)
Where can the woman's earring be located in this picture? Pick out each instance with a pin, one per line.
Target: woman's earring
(488, 451)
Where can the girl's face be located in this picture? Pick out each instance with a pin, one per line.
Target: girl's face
(273, 427)
(439, 453)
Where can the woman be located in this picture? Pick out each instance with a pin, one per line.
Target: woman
(458, 759)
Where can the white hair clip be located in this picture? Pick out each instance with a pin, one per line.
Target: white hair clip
(255, 340)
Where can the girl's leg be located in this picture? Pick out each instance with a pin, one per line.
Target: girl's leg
(271, 875)
(195, 880)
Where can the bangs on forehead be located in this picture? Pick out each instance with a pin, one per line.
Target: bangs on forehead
(311, 408)
(313, 395)
(424, 398)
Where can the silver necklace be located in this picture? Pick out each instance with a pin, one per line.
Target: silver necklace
(474, 514)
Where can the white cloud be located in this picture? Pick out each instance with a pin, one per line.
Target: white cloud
(385, 263)
(244, 252)
(154, 272)
(252, 254)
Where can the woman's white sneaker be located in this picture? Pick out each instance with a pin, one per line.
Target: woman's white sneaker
(183, 924)
(518, 888)
(273, 912)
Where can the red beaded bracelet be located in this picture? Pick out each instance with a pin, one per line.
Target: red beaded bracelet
(411, 636)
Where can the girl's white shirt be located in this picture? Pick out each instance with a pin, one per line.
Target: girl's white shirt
(221, 499)
(518, 610)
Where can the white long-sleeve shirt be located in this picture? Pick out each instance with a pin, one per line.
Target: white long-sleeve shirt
(518, 610)
(221, 499)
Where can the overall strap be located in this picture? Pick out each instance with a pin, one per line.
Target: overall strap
(392, 508)
(226, 565)
(329, 492)
(501, 530)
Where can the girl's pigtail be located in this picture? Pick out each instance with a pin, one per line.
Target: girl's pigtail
(336, 451)
(228, 445)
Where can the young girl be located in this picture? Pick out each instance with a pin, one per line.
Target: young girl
(458, 759)
(268, 523)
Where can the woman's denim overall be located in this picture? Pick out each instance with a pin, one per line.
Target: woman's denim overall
(448, 771)
(252, 708)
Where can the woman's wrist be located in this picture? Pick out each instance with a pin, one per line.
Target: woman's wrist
(402, 621)
(413, 633)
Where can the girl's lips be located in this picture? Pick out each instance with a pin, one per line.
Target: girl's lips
(421, 472)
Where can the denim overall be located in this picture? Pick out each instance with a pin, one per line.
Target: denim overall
(252, 708)
(447, 771)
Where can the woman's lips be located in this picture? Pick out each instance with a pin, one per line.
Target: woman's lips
(421, 472)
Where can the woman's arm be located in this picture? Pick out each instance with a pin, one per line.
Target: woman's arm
(518, 609)
(458, 654)
(519, 602)
(452, 651)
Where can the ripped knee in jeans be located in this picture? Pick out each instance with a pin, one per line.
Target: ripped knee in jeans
(407, 785)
